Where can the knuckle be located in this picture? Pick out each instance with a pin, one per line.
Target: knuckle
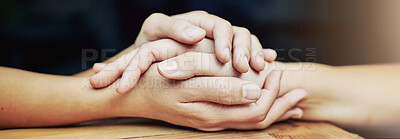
(226, 23)
(150, 22)
(147, 29)
(260, 116)
(172, 23)
(225, 96)
(146, 54)
(152, 17)
(230, 96)
(155, 16)
(147, 32)
(254, 37)
(243, 30)
(257, 114)
(200, 12)
(207, 121)
(175, 23)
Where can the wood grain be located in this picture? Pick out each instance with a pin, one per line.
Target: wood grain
(145, 128)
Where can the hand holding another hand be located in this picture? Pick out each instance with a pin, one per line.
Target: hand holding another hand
(188, 28)
(213, 96)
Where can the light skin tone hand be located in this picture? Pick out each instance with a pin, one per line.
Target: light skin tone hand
(331, 90)
(359, 98)
(228, 91)
(349, 96)
(187, 104)
(39, 98)
(187, 28)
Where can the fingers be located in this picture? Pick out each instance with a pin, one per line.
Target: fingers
(281, 109)
(283, 104)
(294, 113)
(272, 82)
(132, 65)
(242, 45)
(158, 26)
(267, 98)
(258, 115)
(215, 27)
(269, 94)
(149, 53)
(110, 72)
(140, 59)
(269, 55)
(254, 112)
(222, 90)
(97, 67)
(193, 63)
(257, 57)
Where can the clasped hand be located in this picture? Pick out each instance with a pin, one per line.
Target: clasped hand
(195, 85)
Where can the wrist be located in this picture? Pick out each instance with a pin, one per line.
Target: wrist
(315, 79)
(308, 76)
(95, 100)
(112, 104)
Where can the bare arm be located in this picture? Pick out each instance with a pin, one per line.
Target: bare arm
(30, 99)
(351, 96)
(364, 99)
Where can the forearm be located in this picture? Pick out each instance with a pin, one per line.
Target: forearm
(347, 95)
(30, 99)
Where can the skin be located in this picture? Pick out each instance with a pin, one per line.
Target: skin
(331, 92)
(350, 96)
(72, 99)
(187, 28)
(359, 98)
(33, 100)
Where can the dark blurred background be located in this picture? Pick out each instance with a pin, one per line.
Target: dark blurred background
(48, 36)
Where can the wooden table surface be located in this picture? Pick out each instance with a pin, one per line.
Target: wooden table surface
(144, 128)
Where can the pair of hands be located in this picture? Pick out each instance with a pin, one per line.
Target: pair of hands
(214, 96)
(189, 28)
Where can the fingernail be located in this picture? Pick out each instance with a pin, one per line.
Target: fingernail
(246, 61)
(251, 91)
(194, 32)
(168, 66)
(297, 114)
(270, 54)
(259, 58)
(227, 53)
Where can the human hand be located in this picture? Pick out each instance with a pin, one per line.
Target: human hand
(208, 103)
(183, 28)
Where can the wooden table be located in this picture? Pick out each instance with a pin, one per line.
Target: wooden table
(144, 128)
